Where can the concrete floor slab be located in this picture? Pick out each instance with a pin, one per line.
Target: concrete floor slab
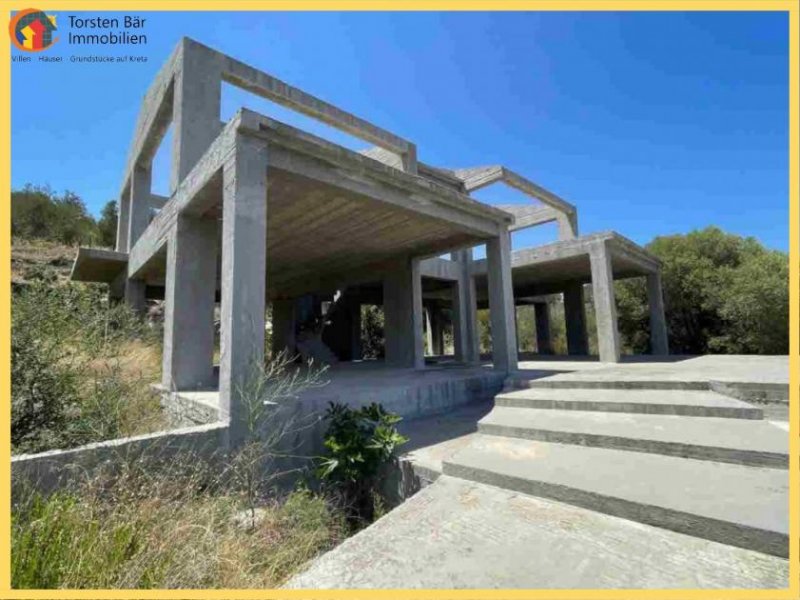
(728, 368)
(459, 534)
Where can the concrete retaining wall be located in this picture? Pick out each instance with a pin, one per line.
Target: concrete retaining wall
(48, 471)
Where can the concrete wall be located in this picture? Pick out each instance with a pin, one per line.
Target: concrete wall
(51, 470)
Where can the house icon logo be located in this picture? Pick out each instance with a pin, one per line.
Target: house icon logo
(31, 30)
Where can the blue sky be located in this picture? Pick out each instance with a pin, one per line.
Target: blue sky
(651, 123)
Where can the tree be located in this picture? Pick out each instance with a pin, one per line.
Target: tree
(107, 224)
(39, 213)
(723, 293)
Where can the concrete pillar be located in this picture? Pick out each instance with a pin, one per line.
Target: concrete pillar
(402, 309)
(659, 341)
(123, 220)
(139, 198)
(437, 331)
(604, 303)
(196, 108)
(189, 304)
(343, 332)
(284, 327)
(354, 308)
(544, 345)
(134, 295)
(130, 291)
(501, 302)
(244, 262)
(465, 311)
(575, 317)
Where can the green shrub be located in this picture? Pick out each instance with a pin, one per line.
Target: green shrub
(360, 443)
(80, 368)
(39, 213)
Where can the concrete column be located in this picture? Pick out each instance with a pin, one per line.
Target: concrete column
(402, 308)
(575, 317)
(354, 308)
(284, 327)
(123, 220)
(604, 303)
(342, 334)
(189, 304)
(244, 262)
(196, 108)
(501, 303)
(659, 341)
(141, 183)
(134, 295)
(437, 331)
(544, 344)
(465, 311)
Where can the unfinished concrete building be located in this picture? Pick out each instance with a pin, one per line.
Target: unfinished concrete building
(261, 212)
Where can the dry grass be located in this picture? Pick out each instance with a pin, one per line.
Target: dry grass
(134, 366)
(33, 259)
(166, 532)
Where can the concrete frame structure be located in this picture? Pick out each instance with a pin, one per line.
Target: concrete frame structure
(260, 211)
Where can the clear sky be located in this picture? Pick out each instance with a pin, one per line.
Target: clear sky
(651, 123)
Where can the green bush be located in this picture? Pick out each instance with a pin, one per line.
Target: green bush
(69, 383)
(722, 293)
(40, 213)
(360, 443)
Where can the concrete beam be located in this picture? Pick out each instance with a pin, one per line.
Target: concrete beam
(529, 216)
(244, 259)
(440, 268)
(257, 82)
(501, 303)
(476, 178)
(310, 156)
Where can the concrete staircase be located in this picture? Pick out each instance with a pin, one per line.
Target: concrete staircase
(666, 454)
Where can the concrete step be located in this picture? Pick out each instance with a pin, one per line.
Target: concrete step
(516, 382)
(737, 441)
(737, 505)
(466, 535)
(694, 403)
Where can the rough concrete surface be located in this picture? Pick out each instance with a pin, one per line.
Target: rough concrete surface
(741, 441)
(733, 504)
(458, 534)
(684, 402)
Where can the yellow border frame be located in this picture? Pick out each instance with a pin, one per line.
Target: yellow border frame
(790, 6)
